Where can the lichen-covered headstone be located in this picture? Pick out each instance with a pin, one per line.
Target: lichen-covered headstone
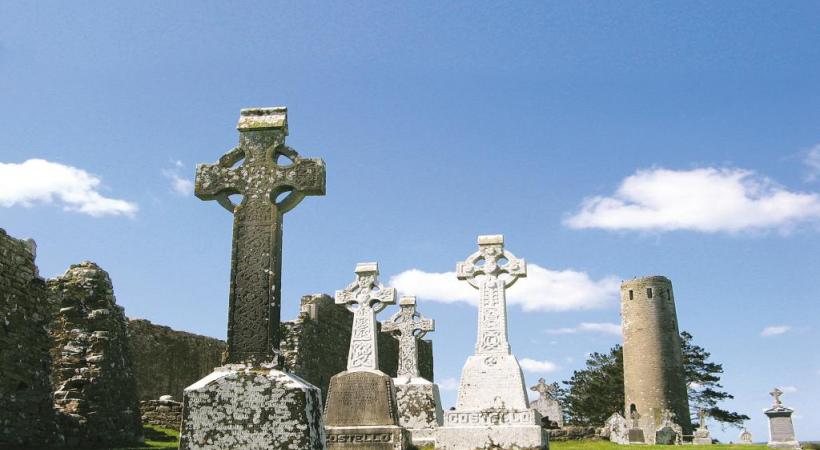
(668, 431)
(781, 427)
(547, 404)
(492, 406)
(250, 403)
(95, 386)
(418, 399)
(361, 408)
(616, 429)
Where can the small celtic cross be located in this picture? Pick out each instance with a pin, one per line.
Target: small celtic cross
(408, 326)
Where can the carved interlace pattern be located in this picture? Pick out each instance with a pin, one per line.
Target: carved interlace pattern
(256, 259)
(407, 327)
(365, 298)
(483, 271)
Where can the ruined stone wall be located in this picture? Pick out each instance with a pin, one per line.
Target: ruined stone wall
(164, 413)
(315, 345)
(167, 361)
(653, 364)
(27, 416)
(93, 378)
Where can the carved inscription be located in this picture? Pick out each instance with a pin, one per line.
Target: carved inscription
(782, 429)
(487, 418)
(360, 437)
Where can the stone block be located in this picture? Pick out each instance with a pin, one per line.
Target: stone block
(388, 437)
(419, 406)
(781, 428)
(257, 408)
(509, 430)
(636, 436)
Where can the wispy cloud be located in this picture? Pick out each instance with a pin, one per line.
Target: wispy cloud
(812, 162)
(591, 327)
(775, 330)
(542, 289)
(179, 184)
(707, 200)
(448, 384)
(788, 389)
(37, 181)
(534, 366)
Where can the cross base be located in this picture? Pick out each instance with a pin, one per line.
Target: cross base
(507, 429)
(419, 405)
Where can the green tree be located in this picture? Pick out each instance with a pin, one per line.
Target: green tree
(703, 384)
(597, 391)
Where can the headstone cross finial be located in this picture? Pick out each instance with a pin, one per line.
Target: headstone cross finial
(491, 270)
(256, 256)
(776, 393)
(365, 297)
(545, 391)
(408, 326)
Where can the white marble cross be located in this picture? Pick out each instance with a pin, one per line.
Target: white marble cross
(485, 270)
(365, 298)
(407, 326)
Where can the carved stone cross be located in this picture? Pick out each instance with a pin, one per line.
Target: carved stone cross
(776, 393)
(408, 326)
(365, 298)
(545, 391)
(485, 270)
(256, 255)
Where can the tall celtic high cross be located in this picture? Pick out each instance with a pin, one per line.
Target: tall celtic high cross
(365, 297)
(408, 326)
(492, 270)
(268, 191)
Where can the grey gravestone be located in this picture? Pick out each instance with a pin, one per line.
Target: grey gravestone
(635, 434)
(702, 436)
(781, 428)
(668, 432)
(745, 436)
(418, 400)
(616, 429)
(547, 404)
(361, 408)
(492, 406)
(249, 403)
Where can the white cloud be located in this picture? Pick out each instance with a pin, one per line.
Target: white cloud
(39, 181)
(531, 365)
(448, 384)
(592, 327)
(812, 162)
(541, 290)
(788, 389)
(707, 200)
(775, 330)
(179, 184)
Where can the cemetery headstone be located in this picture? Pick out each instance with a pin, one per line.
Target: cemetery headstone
(418, 400)
(702, 436)
(547, 404)
(492, 407)
(635, 433)
(781, 427)
(668, 431)
(745, 436)
(361, 408)
(250, 402)
(616, 428)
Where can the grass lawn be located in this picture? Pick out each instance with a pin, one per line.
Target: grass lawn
(606, 445)
(157, 437)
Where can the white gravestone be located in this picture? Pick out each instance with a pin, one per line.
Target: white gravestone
(418, 400)
(745, 437)
(547, 404)
(492, 406)
(781, 428)
(702, 436)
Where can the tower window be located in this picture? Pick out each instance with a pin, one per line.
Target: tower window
(649, 292)
(631, 295)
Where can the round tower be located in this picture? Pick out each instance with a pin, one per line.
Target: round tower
(653, 363)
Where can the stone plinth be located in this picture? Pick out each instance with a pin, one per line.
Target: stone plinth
(361, 412)
(702, 437)
(419, 406)
(257, 408)
(781, 428)
(636, 436)
(507, 429)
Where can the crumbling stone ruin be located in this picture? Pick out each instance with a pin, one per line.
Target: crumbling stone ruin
(165, 412)
(654, 380)
(27, 417)
(94, 382)
(316, 343)
(167, 361)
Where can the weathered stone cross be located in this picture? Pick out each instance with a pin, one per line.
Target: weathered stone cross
(365, 298)
(483, 270)
(256, 256)
(776, 393)
(408, 326)
(545, 391)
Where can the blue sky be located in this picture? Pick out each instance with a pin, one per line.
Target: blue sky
(604, 140)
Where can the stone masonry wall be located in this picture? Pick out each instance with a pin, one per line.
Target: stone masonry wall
(93, 377)
(167, 361)
(653, 365)
(316, 344)
(27, 416)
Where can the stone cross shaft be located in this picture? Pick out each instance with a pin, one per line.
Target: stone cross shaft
(492, 270)
(268, 191)
(407, 327)
(365, 298)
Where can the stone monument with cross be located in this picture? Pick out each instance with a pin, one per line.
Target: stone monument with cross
(546, 404)
(702, 435)
(418, 399)
(781, 427)
(745, 437)
(251, 402)
(361, 408)
(492, 407)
